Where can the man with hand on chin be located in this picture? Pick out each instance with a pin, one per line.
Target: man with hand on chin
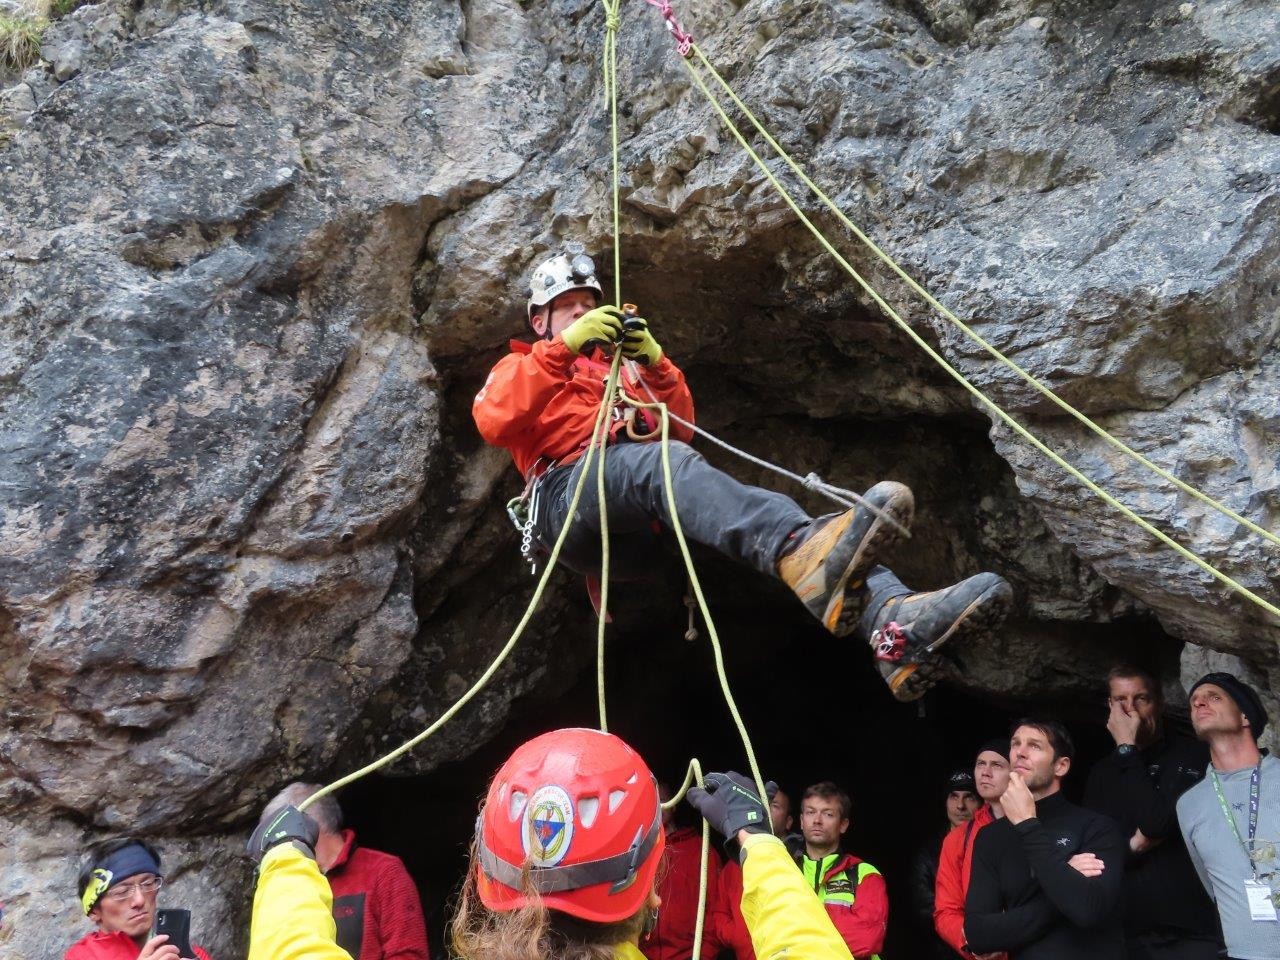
(1046, 879)
(1167, 915)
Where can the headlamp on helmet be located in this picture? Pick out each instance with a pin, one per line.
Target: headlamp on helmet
(570, 269)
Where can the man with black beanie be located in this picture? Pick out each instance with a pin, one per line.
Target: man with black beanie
(955, 860)
(961, 802)
(1167, 915)
(1046, 878)
(1234, 811)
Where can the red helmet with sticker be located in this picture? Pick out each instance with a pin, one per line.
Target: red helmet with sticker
(581, 808)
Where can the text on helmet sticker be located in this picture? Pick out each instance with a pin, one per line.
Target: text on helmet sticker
(548, 826)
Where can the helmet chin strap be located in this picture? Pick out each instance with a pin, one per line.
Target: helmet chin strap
(547, 334)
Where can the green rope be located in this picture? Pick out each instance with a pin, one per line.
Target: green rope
(969, 331)
(959, 377)
(610, 79)
(611, 95)
(603, 613)
(712, 633)
(597, 437)
(694, 775)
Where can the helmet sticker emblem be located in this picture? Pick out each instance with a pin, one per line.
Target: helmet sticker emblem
(548, 826)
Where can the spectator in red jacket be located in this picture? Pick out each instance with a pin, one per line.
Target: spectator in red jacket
(852, 890)
(672, 934)
(991, 777)
(540, 402)
(119, 884)
(375, 902)
(734, 934)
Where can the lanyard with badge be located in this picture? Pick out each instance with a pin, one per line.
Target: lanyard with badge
(1257, 892)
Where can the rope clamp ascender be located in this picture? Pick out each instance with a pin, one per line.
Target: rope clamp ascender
(890, 642)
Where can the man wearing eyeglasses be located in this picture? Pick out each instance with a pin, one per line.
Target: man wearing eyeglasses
(1167, 913)
(119, 884)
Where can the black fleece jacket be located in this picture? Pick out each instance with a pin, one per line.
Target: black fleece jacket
(1025, 899)
(1140, 792)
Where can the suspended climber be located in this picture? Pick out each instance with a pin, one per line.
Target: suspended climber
(540, 403)
(563, 865)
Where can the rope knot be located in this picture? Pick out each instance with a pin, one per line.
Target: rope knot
(813, 482)
(611, 22)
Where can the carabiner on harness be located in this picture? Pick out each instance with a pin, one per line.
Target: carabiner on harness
(523, 512)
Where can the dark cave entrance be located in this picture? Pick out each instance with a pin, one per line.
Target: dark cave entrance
(815, 706)
(815, 709)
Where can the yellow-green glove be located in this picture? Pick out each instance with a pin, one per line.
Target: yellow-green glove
(595, 328)
(638, 343)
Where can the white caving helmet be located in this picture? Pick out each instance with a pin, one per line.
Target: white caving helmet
(571, 269)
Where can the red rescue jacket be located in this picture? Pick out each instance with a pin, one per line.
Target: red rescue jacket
(954, 863)
(856, 898)
(734, 934)
(112, 946)
(672, 937)
(540, 401)
(376, 905)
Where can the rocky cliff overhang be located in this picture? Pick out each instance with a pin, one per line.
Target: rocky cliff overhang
(255, 258)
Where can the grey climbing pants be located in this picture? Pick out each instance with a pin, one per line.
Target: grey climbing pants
(744, 523)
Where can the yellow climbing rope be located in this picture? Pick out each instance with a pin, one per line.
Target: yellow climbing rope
(598, 433)
(959, 377)
(598, 444)
(965, 328)
(694, 775)
(609, 62)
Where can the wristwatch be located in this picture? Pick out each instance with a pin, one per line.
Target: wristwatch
(1126, 750)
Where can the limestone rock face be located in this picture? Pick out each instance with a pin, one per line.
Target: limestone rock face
(255, 258)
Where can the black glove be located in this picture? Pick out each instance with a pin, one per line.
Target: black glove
(289, 825)
(729, 803)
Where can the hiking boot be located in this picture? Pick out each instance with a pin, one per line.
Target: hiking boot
(906, 631)
(914, 680)
(827, 569)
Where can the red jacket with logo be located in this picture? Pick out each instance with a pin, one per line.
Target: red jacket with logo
(862, 924)
(540, 401)
(376, 905)
(954, 863)
(672, 937)
(113, 946)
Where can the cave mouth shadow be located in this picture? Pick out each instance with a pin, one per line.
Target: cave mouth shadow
(814, 706)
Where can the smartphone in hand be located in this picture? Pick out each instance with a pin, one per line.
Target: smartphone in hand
(176, 925)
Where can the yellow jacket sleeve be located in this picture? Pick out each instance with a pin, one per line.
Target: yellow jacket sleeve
(784, 916)
(292, 910)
